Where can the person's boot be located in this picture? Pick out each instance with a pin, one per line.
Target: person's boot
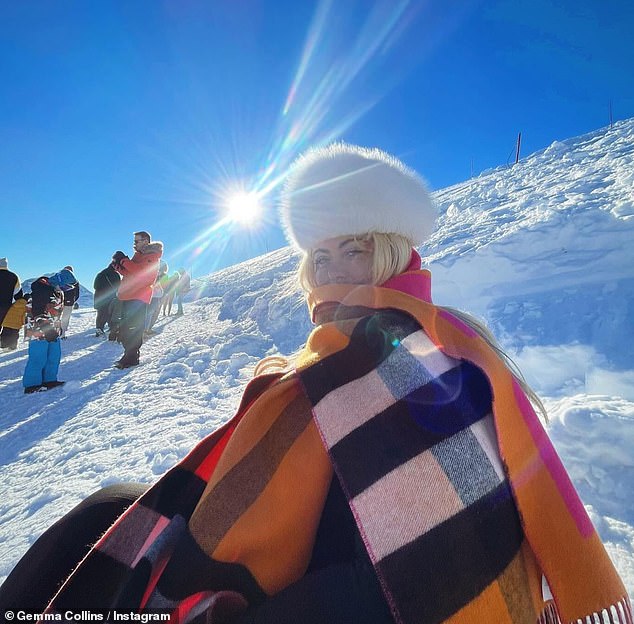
(126, 363)
(129, 359)
(32, 389)
(53, 384)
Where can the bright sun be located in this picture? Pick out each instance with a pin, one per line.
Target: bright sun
(244, 208)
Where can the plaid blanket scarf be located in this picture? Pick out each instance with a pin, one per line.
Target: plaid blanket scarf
(457, 492)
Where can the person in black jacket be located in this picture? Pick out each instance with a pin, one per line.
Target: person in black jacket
(106, 285)
(70, 301)
(10, 290)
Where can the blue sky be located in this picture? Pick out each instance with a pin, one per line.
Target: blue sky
(119, 116)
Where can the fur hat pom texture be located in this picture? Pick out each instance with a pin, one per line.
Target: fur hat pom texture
(346, 189)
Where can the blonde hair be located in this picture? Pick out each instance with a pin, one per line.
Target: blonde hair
(275, 364)
(392, 255)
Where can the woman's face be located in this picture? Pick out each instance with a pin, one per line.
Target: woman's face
(343, 260)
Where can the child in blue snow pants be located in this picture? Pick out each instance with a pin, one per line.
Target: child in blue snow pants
(43, 362)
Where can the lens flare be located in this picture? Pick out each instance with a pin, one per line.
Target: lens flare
(244, 208)
(329, 92)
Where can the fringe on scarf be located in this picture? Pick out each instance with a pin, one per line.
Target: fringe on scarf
(549, 615)
(619, 613)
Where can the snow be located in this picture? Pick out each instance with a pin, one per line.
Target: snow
(542, 251)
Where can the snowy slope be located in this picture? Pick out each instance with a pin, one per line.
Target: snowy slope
(543, 251)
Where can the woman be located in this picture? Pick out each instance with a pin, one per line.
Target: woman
(396, 473)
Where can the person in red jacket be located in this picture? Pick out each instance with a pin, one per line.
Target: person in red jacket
(135, 291)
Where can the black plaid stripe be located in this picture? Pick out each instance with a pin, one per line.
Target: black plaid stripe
(203, 574)
(177, 493)
(436, 575)
(82, 591)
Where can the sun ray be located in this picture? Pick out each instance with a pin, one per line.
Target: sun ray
(324, 78)
(328, 94)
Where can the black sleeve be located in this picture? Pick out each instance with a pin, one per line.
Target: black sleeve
(101, 281)
(345, 593)
(71, 295)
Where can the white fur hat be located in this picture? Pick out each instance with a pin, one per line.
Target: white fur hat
(344, 189)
